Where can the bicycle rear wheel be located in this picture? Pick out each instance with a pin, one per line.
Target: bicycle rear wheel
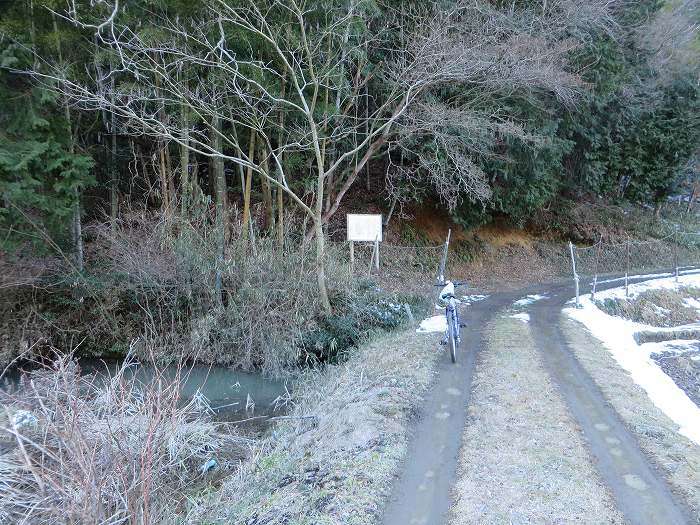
(452, 342)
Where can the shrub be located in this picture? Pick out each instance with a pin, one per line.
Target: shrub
(101, 450)
(662, 307)
(359, 314)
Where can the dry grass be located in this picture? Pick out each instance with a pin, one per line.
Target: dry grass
(335, 461)
(523, 458)
(84, 449)
(678, 458)
(160, 279)
(663, 307)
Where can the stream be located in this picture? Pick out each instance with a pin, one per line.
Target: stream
(234, 395)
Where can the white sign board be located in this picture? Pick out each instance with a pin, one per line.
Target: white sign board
(364, 228)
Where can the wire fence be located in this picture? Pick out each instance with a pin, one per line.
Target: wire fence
(390, 260)
(410, 268)
(675, 252)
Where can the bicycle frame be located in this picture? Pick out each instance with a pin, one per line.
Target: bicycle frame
(451, 309)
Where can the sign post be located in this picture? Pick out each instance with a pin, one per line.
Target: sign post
(364, 228)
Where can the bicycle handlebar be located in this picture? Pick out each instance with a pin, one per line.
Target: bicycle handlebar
(455, 283)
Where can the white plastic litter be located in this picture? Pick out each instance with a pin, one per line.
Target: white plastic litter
(524, 317)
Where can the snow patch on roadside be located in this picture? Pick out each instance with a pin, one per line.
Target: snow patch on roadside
(529, 299)
(525, 318)
(675, 347)
(692, 302)
(469, 299)
(437, 323)
(617, 335)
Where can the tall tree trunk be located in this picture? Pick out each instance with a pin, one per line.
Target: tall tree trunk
(248, 184)
(166, 172)
(172, 196)
(280, 173)
(164, 191)
(221, 203)
(76, 219)
(318, 229)
(220, 179)
(267, 192)
(114, 172)
(320, 245)
(185, 190)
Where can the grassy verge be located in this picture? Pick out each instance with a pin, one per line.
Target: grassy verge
(678, 458)
(334, 460)
(662, 307)
(523, 458)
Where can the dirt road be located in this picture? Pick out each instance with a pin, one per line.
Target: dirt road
(423, 493)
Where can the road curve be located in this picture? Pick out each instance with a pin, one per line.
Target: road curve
(422, 493)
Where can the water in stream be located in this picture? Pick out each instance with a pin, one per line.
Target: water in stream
(234, 395)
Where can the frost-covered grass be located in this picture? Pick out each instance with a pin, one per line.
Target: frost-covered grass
(618, 335)
(678, 457)
(663, 307)
(523, 459)
(80, 448)
(334, 461)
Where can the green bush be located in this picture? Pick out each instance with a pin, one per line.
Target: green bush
(357, 316)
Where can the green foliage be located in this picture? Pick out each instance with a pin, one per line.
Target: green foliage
(628, 139)
(524, 176)
(355, 317)
(40, 176)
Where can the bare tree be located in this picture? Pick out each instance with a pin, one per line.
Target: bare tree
(295, 79)
(671, 39)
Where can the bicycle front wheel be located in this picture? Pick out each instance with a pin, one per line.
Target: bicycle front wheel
(452, 342)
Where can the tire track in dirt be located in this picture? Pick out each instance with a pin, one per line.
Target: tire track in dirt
(639, 490)
(422, 493)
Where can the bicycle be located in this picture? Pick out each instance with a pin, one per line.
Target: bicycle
(451, 338)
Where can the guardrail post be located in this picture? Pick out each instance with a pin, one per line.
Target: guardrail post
(627, 270)
(573, 266)
(675, 257)
(443, 262)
